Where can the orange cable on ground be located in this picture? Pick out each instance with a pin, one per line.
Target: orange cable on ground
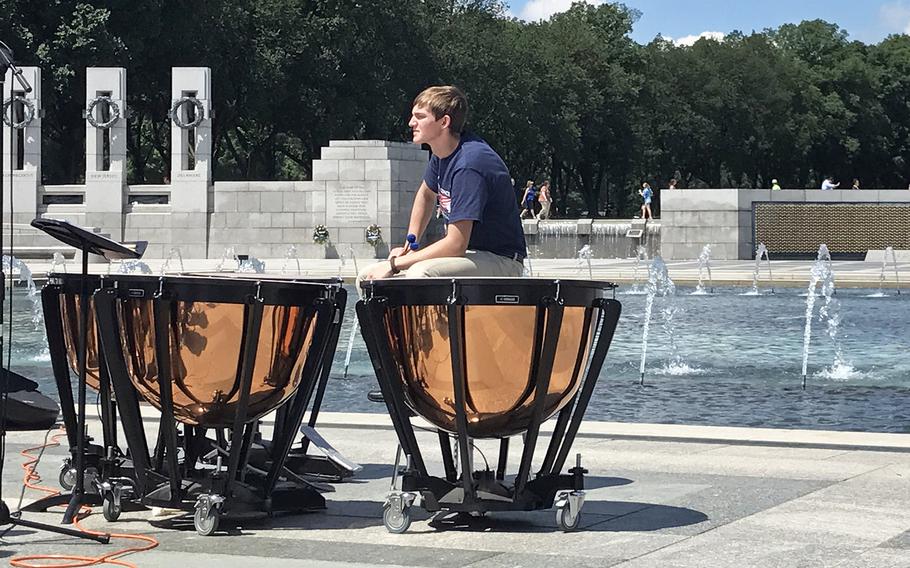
(31, 479)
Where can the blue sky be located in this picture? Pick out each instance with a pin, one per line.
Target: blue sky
(866, 20)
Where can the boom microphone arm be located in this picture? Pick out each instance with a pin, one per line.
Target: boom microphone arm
(6, 62)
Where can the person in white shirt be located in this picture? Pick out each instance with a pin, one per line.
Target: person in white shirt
(829, 184)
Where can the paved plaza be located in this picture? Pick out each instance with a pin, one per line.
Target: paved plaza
(658, 496)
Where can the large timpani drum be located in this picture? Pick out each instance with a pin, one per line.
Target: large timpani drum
(487, 358)
(210, 324)
(215, 354)
(502, 336)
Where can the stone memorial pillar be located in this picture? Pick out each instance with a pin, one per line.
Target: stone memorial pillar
(191, 195)
(22, 147)
(105, 149)
(369, 182)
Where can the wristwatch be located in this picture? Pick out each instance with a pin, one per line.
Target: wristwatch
(395, 269)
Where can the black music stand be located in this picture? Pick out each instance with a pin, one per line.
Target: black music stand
(89, 243)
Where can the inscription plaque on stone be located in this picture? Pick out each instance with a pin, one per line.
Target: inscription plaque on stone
(351, 205)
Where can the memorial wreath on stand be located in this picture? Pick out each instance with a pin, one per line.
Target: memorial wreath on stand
(374, 235)
(320, 235)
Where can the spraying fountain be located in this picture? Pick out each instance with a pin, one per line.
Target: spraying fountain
(761, 251)
(342, 263)
(528, 270)
(58, 260)
(659, 283)
(133, 267)
(897, 278)
(353, 259)
(822, 275)
(584, 256)
(889, 251)
(641, 254)
(291, 255)
(172, 254)
(251, 264)
(228, 254)
(704, 265)
(25, 277)
(355, 326)
(676, 365)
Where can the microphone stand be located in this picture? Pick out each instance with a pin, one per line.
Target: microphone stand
(7, 518)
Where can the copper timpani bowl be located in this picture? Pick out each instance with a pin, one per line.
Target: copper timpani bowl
(501, 320)
(206, 335)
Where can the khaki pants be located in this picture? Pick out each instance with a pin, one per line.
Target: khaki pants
(544, 210)
(473, 263)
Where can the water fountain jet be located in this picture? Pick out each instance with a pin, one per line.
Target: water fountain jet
(641, 254)
(704, 264)
(659, 283)
(354, 328)
(760, 251)
(174, 252)
(58, 260)
(289, 255)
(252, 265)
(823, 274)
(584, 255)
(25, 277)
(229, 253)
(889, 251)
(133, 267)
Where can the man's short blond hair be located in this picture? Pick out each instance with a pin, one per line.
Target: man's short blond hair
(444, 100)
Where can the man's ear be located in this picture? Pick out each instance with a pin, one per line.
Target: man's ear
(446, 121)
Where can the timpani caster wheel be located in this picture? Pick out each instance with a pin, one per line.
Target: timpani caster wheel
(67, 477)
(565, 520)
(205, 520)
(395, 521)
(111, 508)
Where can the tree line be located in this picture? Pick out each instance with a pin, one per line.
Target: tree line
(572, 99)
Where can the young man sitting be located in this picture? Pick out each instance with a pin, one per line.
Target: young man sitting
(471, 183)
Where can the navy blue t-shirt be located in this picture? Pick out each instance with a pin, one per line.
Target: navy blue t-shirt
(473, 184)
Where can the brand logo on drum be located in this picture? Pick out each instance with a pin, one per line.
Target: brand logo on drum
(136, 293)
(506, 299)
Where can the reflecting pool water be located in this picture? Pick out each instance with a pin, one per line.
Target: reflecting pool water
(737, 361)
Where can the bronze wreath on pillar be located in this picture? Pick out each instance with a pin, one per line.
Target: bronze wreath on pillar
(29, 112)
(90, 112)
(174, 113)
